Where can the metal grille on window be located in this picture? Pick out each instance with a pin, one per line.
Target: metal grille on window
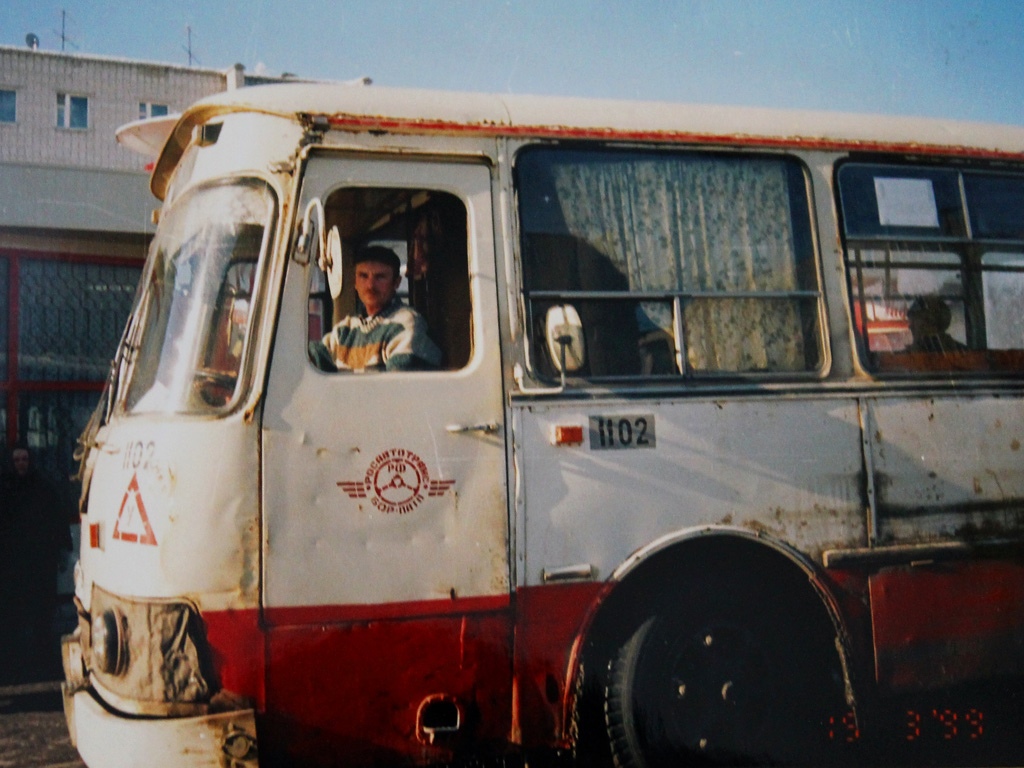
(4, 292)
(50, 423)
(71, 318)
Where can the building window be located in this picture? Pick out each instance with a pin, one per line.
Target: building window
(149, 109)
(70, 317)
(72, 111)
(8, 105)
(59, 334)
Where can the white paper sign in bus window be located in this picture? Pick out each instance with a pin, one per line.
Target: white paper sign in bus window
(906, 203)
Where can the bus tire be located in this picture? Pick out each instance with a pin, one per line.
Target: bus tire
(716, 680)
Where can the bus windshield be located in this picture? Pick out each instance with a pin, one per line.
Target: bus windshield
(192, 323)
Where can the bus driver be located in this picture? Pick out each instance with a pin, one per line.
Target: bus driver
(387, 335)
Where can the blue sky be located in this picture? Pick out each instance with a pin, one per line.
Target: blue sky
(943, 58)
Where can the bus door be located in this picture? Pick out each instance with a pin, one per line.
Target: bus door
(385, 525)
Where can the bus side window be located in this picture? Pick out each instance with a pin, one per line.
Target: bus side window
(680, 264)
(931, 294)
(427, 230)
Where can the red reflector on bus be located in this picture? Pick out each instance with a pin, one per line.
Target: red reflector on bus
(94, 535)
(568, 435)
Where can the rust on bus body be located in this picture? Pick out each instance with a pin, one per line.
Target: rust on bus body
(417, 127)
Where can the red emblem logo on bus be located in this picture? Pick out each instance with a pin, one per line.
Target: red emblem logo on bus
(397, 480)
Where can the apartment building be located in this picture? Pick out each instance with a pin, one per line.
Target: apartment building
(75, 222)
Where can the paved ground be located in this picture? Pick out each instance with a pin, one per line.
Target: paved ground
(32, 730)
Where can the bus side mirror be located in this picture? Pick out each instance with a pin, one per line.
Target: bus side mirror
(330, 262)
(314, 238)
(564, 331)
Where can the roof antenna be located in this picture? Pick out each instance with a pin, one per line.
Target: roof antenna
(188, 48)
(64, 39)
(32, 41)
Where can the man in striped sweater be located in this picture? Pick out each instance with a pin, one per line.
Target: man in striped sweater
(387, 335)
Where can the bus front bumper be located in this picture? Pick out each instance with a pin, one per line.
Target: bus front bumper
(107, 739)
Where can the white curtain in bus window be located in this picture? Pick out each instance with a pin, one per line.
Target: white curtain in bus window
(710, 226)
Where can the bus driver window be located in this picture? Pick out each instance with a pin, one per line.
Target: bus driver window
(425, 232)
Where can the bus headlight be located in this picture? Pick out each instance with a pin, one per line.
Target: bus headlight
(109, 642)
(147, 657)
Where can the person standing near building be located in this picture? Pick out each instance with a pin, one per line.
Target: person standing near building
(34, 535)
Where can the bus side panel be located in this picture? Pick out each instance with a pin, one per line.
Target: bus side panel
(948, 467)
(359, 688)
(789, 468)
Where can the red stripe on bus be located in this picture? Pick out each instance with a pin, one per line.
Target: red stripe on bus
(549, 619)
(236, 644)
(426, 127)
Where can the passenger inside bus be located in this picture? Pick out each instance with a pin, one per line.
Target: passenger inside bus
(386, 335)
(928, 319)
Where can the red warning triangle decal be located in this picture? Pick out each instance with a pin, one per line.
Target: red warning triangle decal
(132, 521)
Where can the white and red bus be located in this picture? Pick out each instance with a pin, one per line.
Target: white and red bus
(686, 485)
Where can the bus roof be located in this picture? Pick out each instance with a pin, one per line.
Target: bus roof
(361, 108)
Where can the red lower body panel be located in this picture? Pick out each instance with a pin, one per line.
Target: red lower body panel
(945, 623)
(340, 683)
(548, 622)
(237, 644)
(358, 689)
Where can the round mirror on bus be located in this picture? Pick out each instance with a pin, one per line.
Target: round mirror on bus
(331, 262)
(564, 332)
